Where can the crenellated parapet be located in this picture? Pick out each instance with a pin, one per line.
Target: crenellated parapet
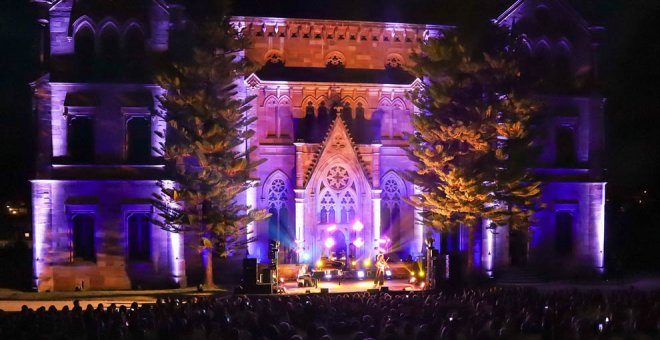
(350, 44)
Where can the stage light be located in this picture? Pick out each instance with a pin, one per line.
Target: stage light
(328, 276)
(329, 242)
(319, 264)
(360, 274)
(412, 279)
(412, 273)
(421, 273)
(332, 228)
(358, 226)
(305, 257)
(367, 263)
(422, 285)
(353, 263)
(388, 273)
(282, 279)
(358, 243)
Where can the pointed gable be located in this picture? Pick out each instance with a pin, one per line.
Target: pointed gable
(337, 142)
(536, 10)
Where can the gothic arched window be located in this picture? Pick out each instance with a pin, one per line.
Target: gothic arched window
(109, 52)
(139, 237)
(278, 207)
(338, 199)
(391, 206)
(84, 49)
(280, 122)
(393, 118)
(134, 52)
(134, 42)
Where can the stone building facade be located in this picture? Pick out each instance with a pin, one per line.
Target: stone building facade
(331, 112)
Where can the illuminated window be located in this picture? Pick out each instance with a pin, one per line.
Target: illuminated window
(278, 200)
(338, 203)
(138, 140)
(139, 237)
(391, 206)
(80, 138)
(82, 230)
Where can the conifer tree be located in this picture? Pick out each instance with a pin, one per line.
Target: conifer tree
(472, 145)
(204, 149)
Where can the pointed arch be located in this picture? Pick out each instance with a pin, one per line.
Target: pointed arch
(82, 22)
(394, 189)
(284, 100)
(284, 118)
(278, 116)
(133, 39)
(338, 193)
(349, 100)
(394, 175)
(277, 196)
(361, 100)
(542, 59)
(563, 63)
(309, 99)
(109, 45)
(84, 40)
(399, 103)
(384, 102)
(108, 24)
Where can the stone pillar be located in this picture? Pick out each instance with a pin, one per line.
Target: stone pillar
(597, 207)
(300, 219)
(375, 201)
(487, 247)
(300, 176)
(42, 224)
(418, 231)
(251, 201)
(177, 259)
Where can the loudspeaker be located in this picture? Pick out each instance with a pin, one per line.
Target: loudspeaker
(384, 289)
(372, 290)
(249, 272)
(266, 276)
(325, 290)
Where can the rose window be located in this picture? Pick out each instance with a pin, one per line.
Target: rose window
(337, 178)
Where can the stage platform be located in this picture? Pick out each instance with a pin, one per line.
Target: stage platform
(349, 286)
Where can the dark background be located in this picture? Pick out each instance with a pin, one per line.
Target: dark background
(629, 75)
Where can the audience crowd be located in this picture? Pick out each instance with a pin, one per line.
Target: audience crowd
(494, 313)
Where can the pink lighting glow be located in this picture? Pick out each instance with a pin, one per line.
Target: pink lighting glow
(358, 242)
(332, 228)
(329, 242)
(358, 226)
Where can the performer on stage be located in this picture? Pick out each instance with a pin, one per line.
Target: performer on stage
(381, 265)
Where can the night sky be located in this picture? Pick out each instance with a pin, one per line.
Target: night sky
(629, 78)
